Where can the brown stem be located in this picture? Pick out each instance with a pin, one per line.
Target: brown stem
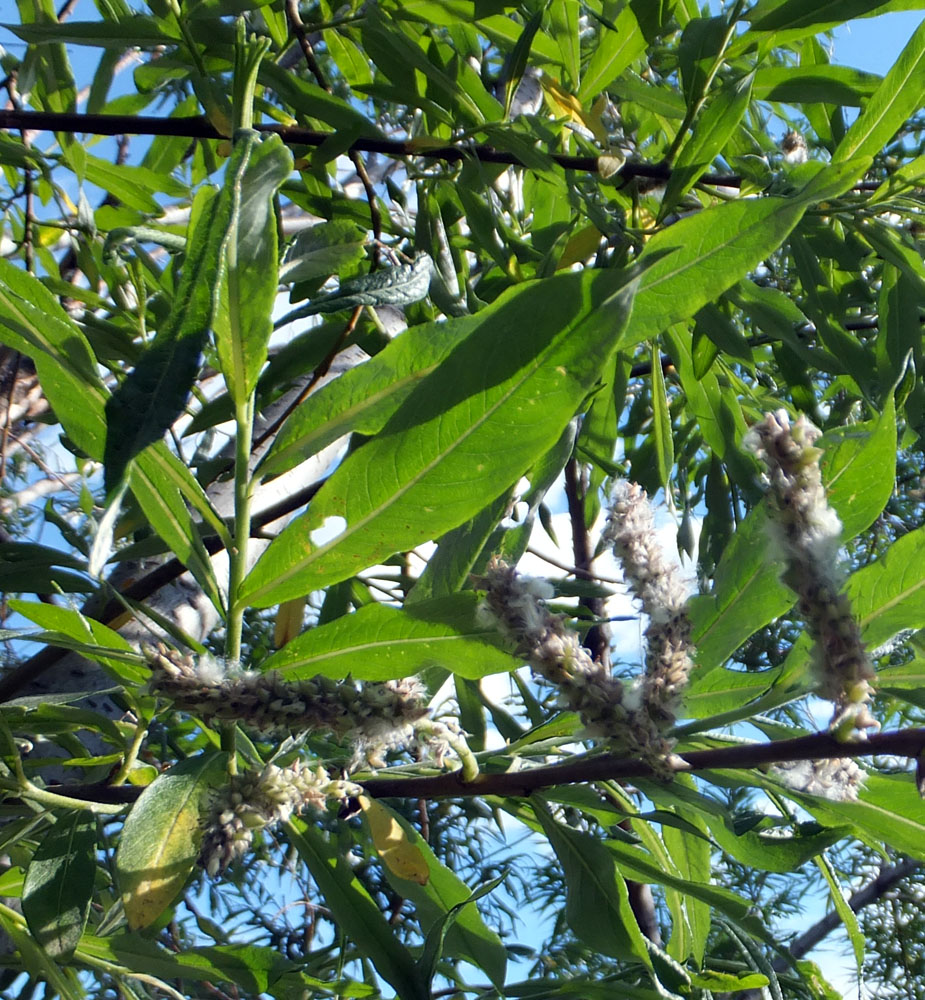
(602, 767)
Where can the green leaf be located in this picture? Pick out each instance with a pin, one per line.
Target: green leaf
(700, 45)
(34, 323)
(378, 642)
(702, 255)
(154, 483)
(457, 554)
(887, 811)
(747, 594)
(355, 913)
(819, 83)
(661, 420)
(59, 884)
(126, 33)
(597, 906)
(898, 96)
(60, 982)
(728, 982)
(720, 693)
(782, 15)
(888, 596)
(564, 28)
(250, 255)
(252, 967)
(516, 380)
(774, 852)
(689, 851)
(618, 46)
(848, 918)
(72, 623)
(712, 130)
(155, 392)
(160, 839)
(468, 937)
(859, 469)
(636, 864)
(365, 397)
(323, 250)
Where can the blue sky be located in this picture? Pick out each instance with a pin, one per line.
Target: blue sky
(874, 43)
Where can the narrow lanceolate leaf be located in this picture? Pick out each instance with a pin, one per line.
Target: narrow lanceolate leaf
(711, 133)
(250, 260)
(888, 596)
(253, 968)
(889, 810)
(784, 15)
(747, 595)
(166, 510)
(155, 392)
(161, 838)
(597, 905)
(59, 884)
(661, 420)
(380, 643)
(898, 97)
(819, 83)
(71, 622)
(34, 323)
(497, 403)
(434, 890)
(616, 49)
(355, 913)
(859, 468)
(395, 286)
(848, 917)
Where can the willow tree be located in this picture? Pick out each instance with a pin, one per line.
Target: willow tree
(290, 369)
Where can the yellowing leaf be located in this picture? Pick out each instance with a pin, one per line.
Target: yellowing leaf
(288, 621)
(561, 100)
(398, 854)
(160, 839)
(581, 245)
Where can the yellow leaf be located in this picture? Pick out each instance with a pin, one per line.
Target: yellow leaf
(288, 621)
(570, 106)
(398, 854)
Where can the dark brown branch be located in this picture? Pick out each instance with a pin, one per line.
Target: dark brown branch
(605, 767)
(611, 767)
(196, 127)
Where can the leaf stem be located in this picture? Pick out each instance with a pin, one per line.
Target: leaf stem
(131, 754)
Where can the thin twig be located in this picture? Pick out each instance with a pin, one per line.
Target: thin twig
(597, 639)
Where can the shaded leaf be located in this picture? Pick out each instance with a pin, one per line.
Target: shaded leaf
(59, 884)
(356, 914)
(597, 905)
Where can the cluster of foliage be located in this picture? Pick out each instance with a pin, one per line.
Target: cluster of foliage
(523, 244)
